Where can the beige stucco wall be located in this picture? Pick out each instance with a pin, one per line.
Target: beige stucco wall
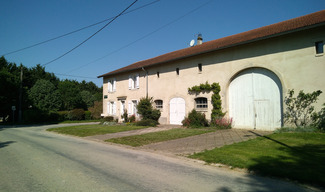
(291, 57)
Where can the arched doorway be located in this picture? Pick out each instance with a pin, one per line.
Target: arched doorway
(176, 110)
(255, 97)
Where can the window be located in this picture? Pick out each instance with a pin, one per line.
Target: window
(159, 104)
(111, 85)
(134, 81)
(199, 66)
(111, 108)
(201, 103)
(319, 47)
(177, 71)
(158, 74)
(133, 107)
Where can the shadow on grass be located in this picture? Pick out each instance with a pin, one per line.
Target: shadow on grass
(305, 163)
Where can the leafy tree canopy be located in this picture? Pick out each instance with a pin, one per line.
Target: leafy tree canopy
(45, 96)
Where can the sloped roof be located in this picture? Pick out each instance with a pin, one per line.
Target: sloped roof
(265, 32)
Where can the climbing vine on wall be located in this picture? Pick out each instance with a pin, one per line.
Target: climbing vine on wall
(215, 98)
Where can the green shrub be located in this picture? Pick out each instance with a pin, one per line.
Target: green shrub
(53, 116)
(76, 114)
(125, 116)
(87, 115)
(63, 115)
(319, 119)
(146, 110)
(147, 122)
(39, 116)
(96, 110)
(195, 119)
(108, 119)
(34, 116)
(300, 110)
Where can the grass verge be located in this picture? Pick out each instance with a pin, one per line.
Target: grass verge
(145, 139)
(295, 156)
(89, 130)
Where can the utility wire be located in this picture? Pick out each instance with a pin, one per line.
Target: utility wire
(143, 37)
(90, 36)
(75, 76)
(75, 31)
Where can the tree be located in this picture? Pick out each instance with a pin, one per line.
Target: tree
(87, 98)
(9, 87)
(45, 96)
(70, 95)
(300, 109)
(96, 110)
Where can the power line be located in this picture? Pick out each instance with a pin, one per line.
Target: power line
(90, 36)
(143, 37)
(75, 31)
(75, 76)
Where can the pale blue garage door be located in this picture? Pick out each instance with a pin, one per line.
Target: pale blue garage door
(255, 100)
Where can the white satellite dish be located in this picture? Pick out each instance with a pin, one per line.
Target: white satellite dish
(192, 43)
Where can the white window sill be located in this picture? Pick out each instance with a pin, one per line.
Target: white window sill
(202, 109)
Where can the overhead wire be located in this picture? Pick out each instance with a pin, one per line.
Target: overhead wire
(77, 30)
(143, 37)
(75, 76)
(90, 36)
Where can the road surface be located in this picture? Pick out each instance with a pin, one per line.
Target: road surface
(32, 159)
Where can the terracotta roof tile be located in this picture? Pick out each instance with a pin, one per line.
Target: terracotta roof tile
(233, 40)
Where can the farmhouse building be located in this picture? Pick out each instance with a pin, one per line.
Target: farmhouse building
(255, 70)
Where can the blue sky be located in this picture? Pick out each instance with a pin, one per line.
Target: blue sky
(161, 27)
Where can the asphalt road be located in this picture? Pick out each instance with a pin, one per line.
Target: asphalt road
(32, 159)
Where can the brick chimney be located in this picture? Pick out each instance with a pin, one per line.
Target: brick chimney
(199, 39)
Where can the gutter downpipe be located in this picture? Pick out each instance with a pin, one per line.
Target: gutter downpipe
(146, 81)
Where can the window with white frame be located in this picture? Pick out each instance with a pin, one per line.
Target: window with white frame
(111, 85)
(159, 104)
(134, 81)
(201, 103)
(111, 108)
(132, 110)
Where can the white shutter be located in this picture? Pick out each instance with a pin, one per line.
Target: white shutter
(130, 82)
(114, 84)
(114, 108)
(130, 108)
(108, 107)
(137, 81)
(109, 86)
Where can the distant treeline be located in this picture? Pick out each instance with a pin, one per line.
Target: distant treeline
(41, 94)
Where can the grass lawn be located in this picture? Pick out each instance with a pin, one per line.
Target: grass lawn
(88, 130)
(145, 139)
(296, 156)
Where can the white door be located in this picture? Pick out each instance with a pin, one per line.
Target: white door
(176, 110)
(255, 100)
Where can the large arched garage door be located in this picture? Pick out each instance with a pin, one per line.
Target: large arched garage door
(255, 97)
(176, 110)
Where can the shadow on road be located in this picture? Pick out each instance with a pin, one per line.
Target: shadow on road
(5, 144)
